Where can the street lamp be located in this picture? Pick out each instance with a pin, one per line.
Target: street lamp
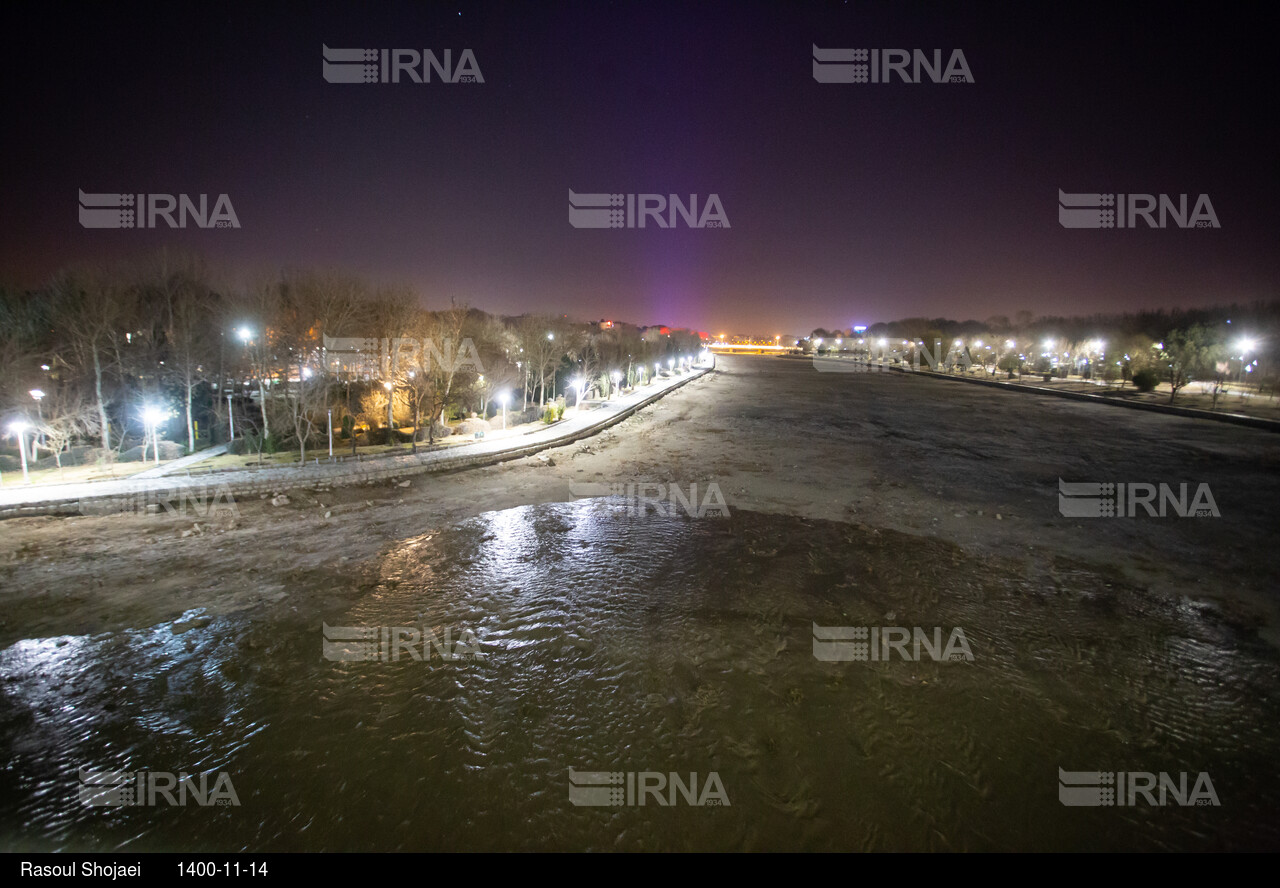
(18, 427)
(152, 416)
(503, 398)
(577, 384)
(245, 334)
(1245, 346)
(231, 418)
(616, 376)
(38, 395)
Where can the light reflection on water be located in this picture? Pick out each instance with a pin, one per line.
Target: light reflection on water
(620, 643)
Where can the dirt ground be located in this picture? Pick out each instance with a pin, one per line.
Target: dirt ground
(926, 457)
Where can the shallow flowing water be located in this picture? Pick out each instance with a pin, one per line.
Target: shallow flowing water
(608, 641)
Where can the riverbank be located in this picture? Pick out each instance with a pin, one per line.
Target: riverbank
(881, 450)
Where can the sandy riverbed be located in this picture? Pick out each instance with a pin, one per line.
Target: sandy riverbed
(961, 464)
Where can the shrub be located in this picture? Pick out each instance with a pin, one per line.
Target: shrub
(1146, 380)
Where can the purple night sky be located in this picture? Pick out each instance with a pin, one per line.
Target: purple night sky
(848, 203)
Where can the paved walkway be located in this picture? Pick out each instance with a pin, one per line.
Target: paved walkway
(178, 464)
(66, 498)
(1116, 398)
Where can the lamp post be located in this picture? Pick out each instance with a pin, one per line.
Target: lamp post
(246, 336)
(18, 427)
(503, 398)
(616, 377)
(330, 433)
(152, 416)
(577, 403)
(39, 396)
(231, 418)
(1245, 345)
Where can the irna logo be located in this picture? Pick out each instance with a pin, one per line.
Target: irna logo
(838, 644)
(1104, 499)
(119, 789)
(392, 65)
(388, 644)
(666, 500)
(1122, 789)
(143, 210)
(1124, 211)
(595, 789)
(632, 210)
(881, 66)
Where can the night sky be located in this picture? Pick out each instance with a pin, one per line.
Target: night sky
(848, 203)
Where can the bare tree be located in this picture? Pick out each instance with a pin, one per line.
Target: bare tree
(445, 358)
(307, 307)
(184, 307)
(543, 341)
(496, 343)
(24, 324)
(93, 312)
(68, 416)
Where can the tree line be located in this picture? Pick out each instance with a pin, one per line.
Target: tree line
(1212, 344)
(84, 356)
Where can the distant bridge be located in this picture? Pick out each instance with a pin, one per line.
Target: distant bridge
(724, 348)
